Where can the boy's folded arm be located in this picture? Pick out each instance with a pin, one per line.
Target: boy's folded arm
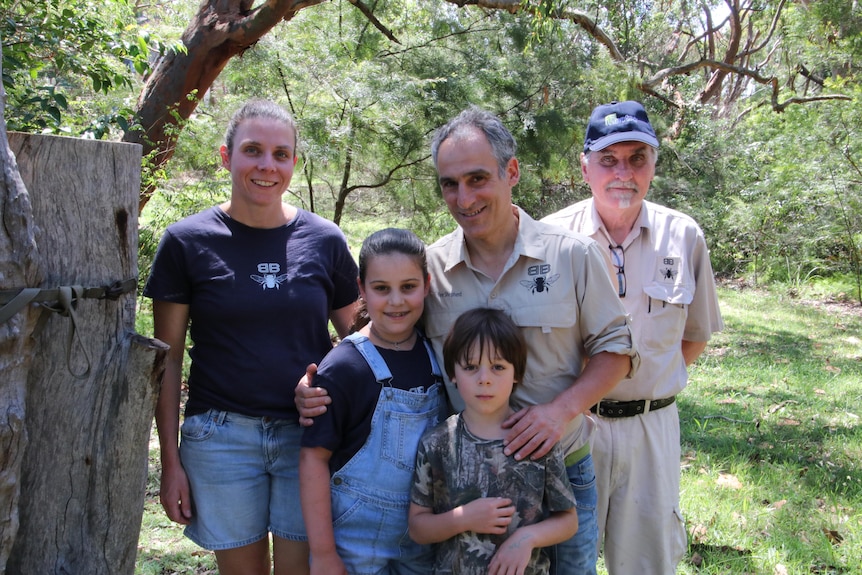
(485, 515)
(517, 549)
(426, 527)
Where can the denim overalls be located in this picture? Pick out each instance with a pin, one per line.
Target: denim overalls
(371, 493)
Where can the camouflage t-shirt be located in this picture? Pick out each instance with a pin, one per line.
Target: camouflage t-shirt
(454, 467)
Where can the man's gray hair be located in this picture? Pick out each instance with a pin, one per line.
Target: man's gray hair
(502, 142)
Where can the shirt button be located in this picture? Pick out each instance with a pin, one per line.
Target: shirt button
(337, 481)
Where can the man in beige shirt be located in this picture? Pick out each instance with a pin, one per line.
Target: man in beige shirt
(665, 281)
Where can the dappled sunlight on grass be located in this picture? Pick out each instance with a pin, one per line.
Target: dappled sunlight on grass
(771, 442)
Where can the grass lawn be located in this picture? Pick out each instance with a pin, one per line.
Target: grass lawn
(771, 479)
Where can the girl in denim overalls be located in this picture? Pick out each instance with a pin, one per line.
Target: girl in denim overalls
(357, 460)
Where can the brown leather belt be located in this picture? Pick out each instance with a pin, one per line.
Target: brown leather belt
(611, 408)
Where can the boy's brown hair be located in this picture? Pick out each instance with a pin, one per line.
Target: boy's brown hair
(488, 328)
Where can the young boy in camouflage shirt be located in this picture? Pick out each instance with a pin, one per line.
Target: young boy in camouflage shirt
(488, 512)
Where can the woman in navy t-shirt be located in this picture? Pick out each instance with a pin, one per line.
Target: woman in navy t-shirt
(256, 281)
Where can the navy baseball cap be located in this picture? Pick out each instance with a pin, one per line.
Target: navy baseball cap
(618, 122)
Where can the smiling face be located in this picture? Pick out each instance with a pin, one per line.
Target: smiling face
(478, 197)
(261, 161)
(485, 382)
(619, 176)
(394, 291)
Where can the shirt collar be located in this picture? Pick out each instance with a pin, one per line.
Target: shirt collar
(528, 243)
(593, 222)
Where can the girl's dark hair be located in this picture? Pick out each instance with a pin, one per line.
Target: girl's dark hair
(488, 328)
(392, 241)
(381, 243)
(258, 108)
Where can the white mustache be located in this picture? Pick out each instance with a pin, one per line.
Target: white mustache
(626, 185)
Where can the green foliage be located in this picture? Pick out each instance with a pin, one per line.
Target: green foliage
(61, 58)
(798, 215)
(777, 194)
(371, 104)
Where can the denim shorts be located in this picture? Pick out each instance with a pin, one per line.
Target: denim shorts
(244, 478)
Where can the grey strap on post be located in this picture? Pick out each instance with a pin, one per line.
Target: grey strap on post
(17, 303)
(68, 300)
(63, 300)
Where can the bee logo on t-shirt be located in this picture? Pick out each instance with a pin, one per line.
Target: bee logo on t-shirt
(668, 269)
(270, 278)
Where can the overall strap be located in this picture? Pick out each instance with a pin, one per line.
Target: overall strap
(375, 361)
(378, 365)
(435, 367)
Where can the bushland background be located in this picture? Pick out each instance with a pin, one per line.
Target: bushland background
(757, 105)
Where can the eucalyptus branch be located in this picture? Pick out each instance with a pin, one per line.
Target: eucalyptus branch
(772, 27)
(580, 18)
(367, 12)
(742, 71)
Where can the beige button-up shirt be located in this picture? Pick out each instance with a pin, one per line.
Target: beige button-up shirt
(556, 287)
(670, 291)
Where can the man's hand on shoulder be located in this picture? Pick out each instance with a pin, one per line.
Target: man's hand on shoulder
(533, 431)
(310, 401)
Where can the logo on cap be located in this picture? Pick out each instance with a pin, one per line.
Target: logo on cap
(613, 120)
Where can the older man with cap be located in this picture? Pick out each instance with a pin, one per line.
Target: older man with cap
(664, 276)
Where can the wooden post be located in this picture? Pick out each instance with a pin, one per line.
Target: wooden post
(84, 468)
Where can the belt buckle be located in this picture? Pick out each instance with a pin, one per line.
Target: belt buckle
(599, 408)
(610, 411)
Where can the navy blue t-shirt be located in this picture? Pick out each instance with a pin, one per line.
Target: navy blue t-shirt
(259, 302)
(345, 374)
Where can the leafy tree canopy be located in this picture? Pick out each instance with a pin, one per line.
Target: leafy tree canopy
(757, 104)
(61, 56)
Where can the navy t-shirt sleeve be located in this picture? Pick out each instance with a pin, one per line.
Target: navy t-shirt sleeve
(344, 270)
(351, 385)
(168, 279)
(344, 279)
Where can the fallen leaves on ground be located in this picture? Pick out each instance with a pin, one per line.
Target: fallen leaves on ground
(833, 536)
(729, 481)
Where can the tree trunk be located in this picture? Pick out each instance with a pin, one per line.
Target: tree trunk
(91, 391)
(17, 268)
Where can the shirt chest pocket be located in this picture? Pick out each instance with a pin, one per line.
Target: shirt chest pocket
(549, 329)
(545, 317)
(667, 310)
(557, 315)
